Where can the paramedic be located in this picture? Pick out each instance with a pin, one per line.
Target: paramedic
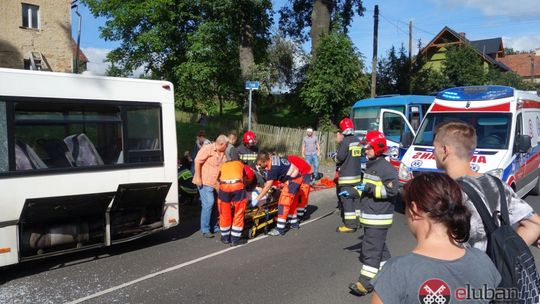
(232, 199)
(281, 169)
(303, 193)
(380, 186)
(350, 174)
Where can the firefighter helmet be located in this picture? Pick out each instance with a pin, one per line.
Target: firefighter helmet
(249, 138)
(345, 124)
(377, 141)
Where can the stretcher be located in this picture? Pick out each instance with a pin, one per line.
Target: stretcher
(262, 218)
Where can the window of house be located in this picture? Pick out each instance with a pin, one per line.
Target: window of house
(30, 16)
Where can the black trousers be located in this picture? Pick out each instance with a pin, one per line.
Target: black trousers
(374, 249)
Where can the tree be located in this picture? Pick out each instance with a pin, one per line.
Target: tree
(463, 66)
(334, 79)
(394, 73)
(319, 16)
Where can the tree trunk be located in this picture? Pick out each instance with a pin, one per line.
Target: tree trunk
(320, 21)
(247, 59)
(220, 98)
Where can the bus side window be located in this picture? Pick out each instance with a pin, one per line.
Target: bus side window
(4, 160)
(414, 116)
(144, 135)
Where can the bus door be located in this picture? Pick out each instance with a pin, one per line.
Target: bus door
(398, 131)
(136, 209)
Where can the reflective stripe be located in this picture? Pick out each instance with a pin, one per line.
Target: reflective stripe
(369, 271)
(349, 215)
(230, 181)
(224, 229)
(347, 180)
(237, 228)
(380, 189)
(376, 222)
(376, 216)
(293, 171)
(357, 213)
(225, 233)
(280, 225)
(281, 220)
(374, 178)
(382, 264)
(237, 234)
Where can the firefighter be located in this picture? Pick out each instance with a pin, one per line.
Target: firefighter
(281, 169)
(232, 199)
(305, 187)
(378, 190)
(348, 159)
(248, 150)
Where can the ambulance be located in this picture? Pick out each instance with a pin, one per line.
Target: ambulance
(507, 123)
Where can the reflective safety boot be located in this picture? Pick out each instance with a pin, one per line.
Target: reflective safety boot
(345, 229)
(360, 289)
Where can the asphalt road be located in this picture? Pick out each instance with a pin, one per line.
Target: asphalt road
(311, 265)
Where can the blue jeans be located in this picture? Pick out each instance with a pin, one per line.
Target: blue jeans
(313, 160)
(208, 218)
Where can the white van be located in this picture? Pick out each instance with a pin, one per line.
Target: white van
(507, 123)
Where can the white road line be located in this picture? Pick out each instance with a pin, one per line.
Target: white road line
(155, 274)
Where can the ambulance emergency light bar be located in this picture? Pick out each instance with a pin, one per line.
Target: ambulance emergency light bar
(488, 92)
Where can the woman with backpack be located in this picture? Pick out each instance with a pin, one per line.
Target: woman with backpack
(439, 268)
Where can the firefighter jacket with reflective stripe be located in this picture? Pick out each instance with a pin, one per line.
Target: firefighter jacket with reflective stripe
(348, 160)
(381, 188)
(248, 155)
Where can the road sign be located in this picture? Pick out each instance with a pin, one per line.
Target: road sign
(252, 85)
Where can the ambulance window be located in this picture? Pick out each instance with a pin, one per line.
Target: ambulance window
(3, 138)
(519, 131)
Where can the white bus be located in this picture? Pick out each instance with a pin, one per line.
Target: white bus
(85, 162)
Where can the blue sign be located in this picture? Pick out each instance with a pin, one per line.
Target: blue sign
(489, 92)
(252, 85)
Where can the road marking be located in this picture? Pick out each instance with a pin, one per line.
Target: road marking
(155, 274)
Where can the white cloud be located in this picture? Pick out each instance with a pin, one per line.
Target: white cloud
(97, 64)
(491, 8)
(96, 59)
(524, 43)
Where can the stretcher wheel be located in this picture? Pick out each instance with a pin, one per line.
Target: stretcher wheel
(252, 232)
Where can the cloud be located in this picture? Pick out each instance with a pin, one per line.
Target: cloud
(491, 8)
(97, 64)
(524, 43)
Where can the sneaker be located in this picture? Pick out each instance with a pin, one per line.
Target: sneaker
(275, 232)
(359, 289)
(239, 242)
(345, 229)
(208, 235)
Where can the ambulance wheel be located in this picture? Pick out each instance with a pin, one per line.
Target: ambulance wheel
(536, 189)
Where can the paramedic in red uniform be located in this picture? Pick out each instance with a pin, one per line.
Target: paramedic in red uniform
(281, 169)
(303, 194)
(232, 199)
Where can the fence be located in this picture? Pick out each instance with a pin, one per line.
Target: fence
(272, 138)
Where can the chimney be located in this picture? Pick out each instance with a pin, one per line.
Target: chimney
(462, 34)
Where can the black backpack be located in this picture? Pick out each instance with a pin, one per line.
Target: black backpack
(510, 254)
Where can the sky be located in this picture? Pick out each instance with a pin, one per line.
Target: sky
(516, 22)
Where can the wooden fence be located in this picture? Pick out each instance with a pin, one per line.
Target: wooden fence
(281, 140)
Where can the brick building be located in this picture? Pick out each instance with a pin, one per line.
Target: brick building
(36, 34)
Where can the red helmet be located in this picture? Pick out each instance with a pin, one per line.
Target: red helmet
(346, 123)
(377, 141)
(249, 138)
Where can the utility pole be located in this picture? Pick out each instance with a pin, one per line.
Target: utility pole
(75, 5)
(410, 40)
(532, 67)
(374, 65)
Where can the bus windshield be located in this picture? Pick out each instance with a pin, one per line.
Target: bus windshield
(365, 118)
(492, 129)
